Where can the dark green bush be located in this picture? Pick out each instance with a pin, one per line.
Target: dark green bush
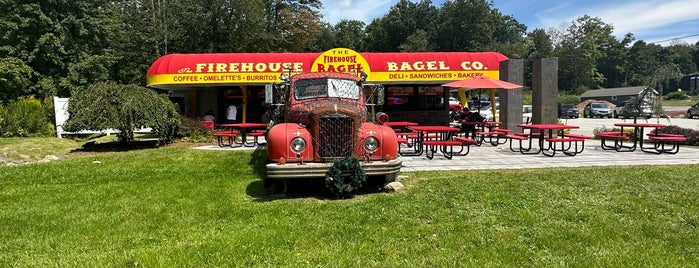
(192, 130)
(574, 99)
(677, 95)
(25, 117)
(124, 108)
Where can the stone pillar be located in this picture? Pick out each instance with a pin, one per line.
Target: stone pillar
(510, 114)
(545, 91)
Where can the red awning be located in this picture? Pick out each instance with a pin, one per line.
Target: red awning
(180, 71)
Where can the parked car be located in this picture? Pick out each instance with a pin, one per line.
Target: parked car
(487, 111)
(619, 111)
(597, 109)
(693, 111)
(568, 110)
(527, 113)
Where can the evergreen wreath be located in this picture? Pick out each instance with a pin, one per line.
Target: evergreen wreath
(345, 176)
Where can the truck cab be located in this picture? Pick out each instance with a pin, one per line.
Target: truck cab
(325, 119)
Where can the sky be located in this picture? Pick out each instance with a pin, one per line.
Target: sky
(663, 22)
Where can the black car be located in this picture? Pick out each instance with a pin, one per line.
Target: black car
(568, 110)
(693, 111)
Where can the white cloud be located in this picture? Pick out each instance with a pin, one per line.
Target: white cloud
(362, 10)
(645, 17)
(650, 21)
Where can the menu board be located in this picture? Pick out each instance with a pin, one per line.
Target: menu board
(430, 91)
(400, 91)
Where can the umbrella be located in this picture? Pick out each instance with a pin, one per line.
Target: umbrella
(480, 82)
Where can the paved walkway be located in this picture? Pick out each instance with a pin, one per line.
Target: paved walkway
(500, 157)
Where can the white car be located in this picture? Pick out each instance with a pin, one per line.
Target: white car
(527, 113)
(487, 113)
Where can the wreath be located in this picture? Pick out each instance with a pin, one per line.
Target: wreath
(345, 176)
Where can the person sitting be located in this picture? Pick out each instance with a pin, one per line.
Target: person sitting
(466, 117)
(209, 116)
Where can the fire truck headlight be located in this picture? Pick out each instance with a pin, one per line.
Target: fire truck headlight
(371, 143)
(298, 144)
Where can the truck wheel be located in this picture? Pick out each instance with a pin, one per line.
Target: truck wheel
(274, 187)
(390, 178)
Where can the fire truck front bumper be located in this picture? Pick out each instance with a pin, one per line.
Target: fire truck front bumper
(318, 170)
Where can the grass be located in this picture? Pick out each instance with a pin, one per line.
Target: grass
(22, 150)
(688, 102)
(176, 206)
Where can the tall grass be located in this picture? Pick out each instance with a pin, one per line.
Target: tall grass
(177, 206)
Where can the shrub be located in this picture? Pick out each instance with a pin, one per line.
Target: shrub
(575, 99)
(597, 130)
(122, 107)
(25, 117)
(192, 130)
(677, 95)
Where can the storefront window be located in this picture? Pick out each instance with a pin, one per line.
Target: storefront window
(409, 98)
(431, 98)
(400, 98)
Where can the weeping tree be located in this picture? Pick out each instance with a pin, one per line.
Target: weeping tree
(124, 108)
(639, 105)
(661, 80)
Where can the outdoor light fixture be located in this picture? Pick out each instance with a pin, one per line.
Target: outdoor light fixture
(363, 76)
(284, 77)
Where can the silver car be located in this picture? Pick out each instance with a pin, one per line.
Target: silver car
(597, 109)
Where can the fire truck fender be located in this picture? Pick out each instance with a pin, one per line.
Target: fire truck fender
(388, 143)
(279, 139)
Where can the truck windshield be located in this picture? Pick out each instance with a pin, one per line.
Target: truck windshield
(326, 87)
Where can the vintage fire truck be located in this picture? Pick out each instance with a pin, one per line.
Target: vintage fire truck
(323, 117)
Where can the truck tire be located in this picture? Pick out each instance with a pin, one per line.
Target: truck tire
(390, 178)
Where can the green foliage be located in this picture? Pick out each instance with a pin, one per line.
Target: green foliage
(578, 53)
(677, 95)
(53, 47)
(55, 38)
(566, 98)
(25, 117)
(691, 134)
(124, 108)
(344, 177)
(14, 79)
(192, 130)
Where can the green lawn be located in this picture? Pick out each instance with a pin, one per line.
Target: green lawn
(688, 102)
(177, 206)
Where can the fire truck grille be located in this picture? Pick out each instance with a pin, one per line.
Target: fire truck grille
(335, 137)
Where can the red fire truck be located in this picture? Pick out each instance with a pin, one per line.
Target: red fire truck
(323, 118)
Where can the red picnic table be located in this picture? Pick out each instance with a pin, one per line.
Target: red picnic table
(431, 137)
(247, 129)
(659, 140)
(549, 136)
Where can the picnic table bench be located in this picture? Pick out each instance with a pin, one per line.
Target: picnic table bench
(229, 135)
(568, 145)
(446, 147)
(660, 141)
